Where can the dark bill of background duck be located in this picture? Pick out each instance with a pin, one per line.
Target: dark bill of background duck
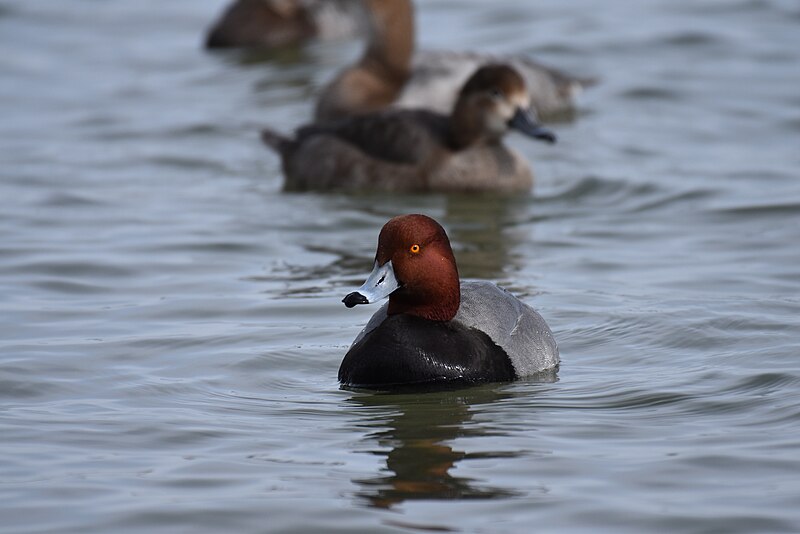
(524, 121)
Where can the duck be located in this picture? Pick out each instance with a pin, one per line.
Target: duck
(390, 73)
(436, 329)
(279, 23)
(419, 150)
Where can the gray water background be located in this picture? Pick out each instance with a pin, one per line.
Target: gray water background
(171, 323)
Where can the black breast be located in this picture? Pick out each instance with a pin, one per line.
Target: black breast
(407, 350)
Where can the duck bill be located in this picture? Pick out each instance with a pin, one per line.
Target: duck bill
(525, 122)
(380, 284)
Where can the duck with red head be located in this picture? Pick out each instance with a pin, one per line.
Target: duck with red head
(436, 329)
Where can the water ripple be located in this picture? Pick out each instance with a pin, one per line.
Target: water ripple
(70, 288)
(691, 39)
(653, 93)
(605, 190)
(774, 209)
(64, 268)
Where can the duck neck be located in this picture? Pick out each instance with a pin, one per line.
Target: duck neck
(391, 41)
(438, 303)
(465, 130)
(441, 311)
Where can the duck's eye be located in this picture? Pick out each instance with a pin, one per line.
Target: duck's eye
(496, 93)
(414, 249)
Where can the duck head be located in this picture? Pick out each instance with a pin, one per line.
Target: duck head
(415, 268)
(493, 101)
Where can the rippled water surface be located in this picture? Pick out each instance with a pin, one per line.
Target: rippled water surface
(171, 321)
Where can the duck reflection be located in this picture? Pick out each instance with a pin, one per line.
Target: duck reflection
(484, 229)
(419, 428)
(478, 226)
(486, 232)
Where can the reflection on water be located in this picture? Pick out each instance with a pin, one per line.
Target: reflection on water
(478, 229)
(419, 430)
(287, 55)
(483, 229)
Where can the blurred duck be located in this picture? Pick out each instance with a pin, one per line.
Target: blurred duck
(419, 150)
(389, 72)
(436, 329)
(275, 23)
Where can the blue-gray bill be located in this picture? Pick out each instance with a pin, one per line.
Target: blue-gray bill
(525, 122)
(379, 285)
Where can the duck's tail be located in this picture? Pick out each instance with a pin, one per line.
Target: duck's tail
(276, 141)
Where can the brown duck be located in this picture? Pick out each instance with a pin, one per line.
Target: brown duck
(419, 150)
(390, 73)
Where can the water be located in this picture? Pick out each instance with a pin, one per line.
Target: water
(171, 326)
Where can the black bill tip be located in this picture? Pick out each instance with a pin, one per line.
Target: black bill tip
(354, 298)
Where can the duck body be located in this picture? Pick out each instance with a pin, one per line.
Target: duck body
(419, 150)
(277, 23)
(494, 337)
(397, 151)
(437, 75)
(390, 73)
(435, 329)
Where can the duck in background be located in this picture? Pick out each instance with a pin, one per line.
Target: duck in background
(419, 150)
(437, 330)
(375, 81)
(389, 73)
(276, 23)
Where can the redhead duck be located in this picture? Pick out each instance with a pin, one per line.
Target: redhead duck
(419, 150)
(273, 23)
(434, 328)
(390, 73)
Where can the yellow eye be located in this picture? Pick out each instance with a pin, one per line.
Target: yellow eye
(414, 249)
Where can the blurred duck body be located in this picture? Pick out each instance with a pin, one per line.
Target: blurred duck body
(390, 73)
(419, 150)
(277, 23)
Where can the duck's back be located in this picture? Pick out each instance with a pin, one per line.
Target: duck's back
(398, 136)
(257, 23)
(437, 76)
(265, 23)
(390, 151)
(512, 324)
